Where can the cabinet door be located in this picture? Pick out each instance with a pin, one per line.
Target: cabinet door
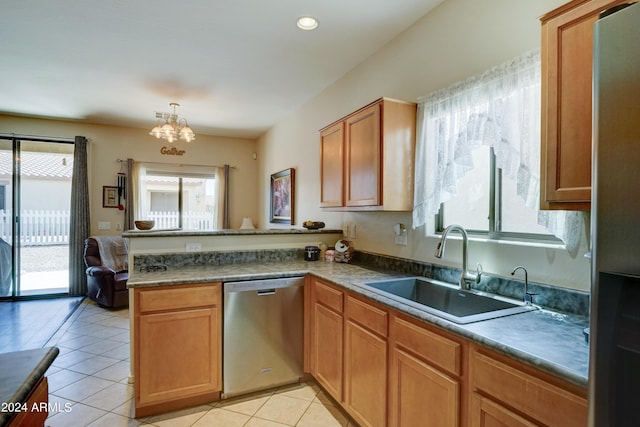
(486, 413)
(365, 376)
(178, 355)
(420, 395)
(362, 158)
(567, 67)
(525, 391)
(332, 166)
(326, 347)
(365, 362)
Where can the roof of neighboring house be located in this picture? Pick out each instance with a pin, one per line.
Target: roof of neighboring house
(36, 165)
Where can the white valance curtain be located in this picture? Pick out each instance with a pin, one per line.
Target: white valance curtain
(500, 109)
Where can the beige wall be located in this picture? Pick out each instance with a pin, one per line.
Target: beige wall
(458, 39)
(109, 143)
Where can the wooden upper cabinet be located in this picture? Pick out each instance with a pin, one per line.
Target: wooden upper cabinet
(567, 69)
(331, 166)
(362, 171)
(367, 158)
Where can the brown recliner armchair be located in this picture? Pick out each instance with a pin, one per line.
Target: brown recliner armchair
(105, 286)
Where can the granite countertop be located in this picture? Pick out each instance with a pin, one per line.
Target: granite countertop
(20, 371)
(550, 341)
(230, 232)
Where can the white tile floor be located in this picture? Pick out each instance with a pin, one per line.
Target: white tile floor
(88, 384)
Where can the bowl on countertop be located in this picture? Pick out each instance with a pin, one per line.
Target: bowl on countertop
(313, 225)
(144, 225)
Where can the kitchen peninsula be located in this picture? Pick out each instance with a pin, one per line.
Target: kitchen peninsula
(540, 350)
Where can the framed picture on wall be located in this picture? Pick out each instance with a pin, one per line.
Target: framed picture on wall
(109, 197)
(283, 196)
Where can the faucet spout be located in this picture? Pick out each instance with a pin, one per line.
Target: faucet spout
(528, 296)
(466, 277)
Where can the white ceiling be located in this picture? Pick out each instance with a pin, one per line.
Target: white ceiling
(237, 67)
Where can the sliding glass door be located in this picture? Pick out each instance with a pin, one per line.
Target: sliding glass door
(35, 197)
(6, 218)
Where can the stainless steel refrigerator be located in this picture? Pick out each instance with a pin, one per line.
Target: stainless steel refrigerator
(614, 373)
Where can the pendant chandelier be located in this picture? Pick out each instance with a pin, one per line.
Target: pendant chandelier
(172, 128)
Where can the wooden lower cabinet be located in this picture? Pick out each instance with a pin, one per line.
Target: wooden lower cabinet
(39, 398)
(326, 343)
(389, 369)
(486, 413)
(424, 377)
(177, 347)
(508, 393)
(365, 362)
(327, 350)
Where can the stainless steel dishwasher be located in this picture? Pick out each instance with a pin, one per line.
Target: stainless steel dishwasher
(263, 329)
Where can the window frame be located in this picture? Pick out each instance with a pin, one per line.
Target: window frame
(495, 214)
(181, 175)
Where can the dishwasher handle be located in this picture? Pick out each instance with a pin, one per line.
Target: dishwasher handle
(265, 292)
(269, 285)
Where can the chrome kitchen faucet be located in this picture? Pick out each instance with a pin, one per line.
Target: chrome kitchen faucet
(465, 278)
(528, 296)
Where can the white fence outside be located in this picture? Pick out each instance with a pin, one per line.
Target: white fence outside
(51, 227)
(190, 220)
(37, 227)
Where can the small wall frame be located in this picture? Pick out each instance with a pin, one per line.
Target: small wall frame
(109, 197)
(283, 197)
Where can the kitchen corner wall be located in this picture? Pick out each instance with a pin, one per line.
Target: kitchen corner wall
(109, 143)
(458, 39)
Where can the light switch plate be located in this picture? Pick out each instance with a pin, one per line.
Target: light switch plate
(401, 240)
(104, 225)
(193, 247)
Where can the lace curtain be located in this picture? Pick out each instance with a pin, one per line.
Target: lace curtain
(500, 109)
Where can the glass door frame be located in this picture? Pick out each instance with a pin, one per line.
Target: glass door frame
(16, 141)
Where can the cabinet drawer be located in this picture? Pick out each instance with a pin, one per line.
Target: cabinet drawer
(549, 403)
(177, 298)
(368, 316)
(430, 346)
(329, 297)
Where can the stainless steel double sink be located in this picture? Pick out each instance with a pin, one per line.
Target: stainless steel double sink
(445, 300)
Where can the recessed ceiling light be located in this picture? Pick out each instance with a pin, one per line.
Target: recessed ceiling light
(307, 23)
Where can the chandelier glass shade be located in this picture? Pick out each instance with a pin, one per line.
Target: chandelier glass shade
(171, 127)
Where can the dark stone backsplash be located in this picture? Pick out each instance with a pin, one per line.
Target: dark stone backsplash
(216, 258)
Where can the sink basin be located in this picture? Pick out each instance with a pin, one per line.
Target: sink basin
(447, 301)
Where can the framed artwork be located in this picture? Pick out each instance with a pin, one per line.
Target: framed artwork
(283, 196)
(109, 197)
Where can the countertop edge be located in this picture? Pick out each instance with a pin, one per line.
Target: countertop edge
(25, 389)
(227, 232)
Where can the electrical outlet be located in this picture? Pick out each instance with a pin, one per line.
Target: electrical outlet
(352, 231)
(118, 226)
(104, 225)
(193, 247)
